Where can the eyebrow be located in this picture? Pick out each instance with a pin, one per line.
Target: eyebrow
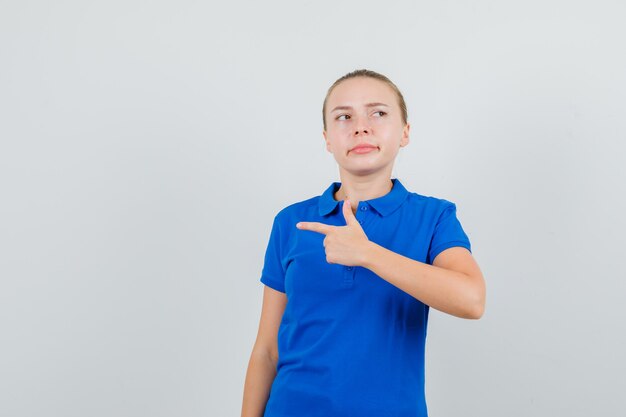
(350, 108)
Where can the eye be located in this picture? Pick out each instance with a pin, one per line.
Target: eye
(342, 115)
(382, 113)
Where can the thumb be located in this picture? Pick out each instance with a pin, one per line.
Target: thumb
(347, 213)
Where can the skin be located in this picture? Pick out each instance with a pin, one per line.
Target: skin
(453, 284)
(364, 176)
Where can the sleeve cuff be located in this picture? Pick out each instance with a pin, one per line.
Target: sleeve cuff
(457, 243)
(272, 284)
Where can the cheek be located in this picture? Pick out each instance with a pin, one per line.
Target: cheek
(382, 129)
(338, 132)
(387, 123)
(336, 142)
(344, 127)
(389, 130)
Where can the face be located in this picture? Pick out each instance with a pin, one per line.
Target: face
(363, 113)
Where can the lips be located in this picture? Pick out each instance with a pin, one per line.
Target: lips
(363, 146)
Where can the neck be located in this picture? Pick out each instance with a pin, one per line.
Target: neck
(363, 191)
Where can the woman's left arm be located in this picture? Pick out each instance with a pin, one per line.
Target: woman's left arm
(453, 284)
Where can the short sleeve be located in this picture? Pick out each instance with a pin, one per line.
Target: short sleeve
(273, 274)
(448, 233)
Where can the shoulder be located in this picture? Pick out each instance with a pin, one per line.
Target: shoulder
(297, 209)
(428, 203)
(286, 218)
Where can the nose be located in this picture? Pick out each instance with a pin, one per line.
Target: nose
(362, 127)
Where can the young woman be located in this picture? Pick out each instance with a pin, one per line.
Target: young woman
(350, 275)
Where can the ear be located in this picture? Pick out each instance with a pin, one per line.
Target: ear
(405, 135)
(327, 142)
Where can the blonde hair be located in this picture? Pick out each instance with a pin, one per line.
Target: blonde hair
(368, 74)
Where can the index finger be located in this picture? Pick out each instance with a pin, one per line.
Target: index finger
(314, 227)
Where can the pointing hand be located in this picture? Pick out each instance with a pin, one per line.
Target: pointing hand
(346, 245)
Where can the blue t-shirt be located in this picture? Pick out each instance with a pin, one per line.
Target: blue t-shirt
(350, 343)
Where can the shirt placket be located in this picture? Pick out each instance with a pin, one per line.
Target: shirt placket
(349, 272)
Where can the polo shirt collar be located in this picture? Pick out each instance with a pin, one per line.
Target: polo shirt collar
(384, 205)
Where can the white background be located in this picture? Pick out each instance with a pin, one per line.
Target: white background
(147, 145)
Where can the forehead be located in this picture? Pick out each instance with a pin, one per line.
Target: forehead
(358, 90)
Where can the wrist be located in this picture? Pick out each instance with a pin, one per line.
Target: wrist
(371, 253)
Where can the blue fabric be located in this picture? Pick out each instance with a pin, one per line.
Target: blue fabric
(350, 343)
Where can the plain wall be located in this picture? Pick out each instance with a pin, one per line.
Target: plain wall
(147, 145)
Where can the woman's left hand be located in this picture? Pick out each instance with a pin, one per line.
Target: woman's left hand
(347, 245)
